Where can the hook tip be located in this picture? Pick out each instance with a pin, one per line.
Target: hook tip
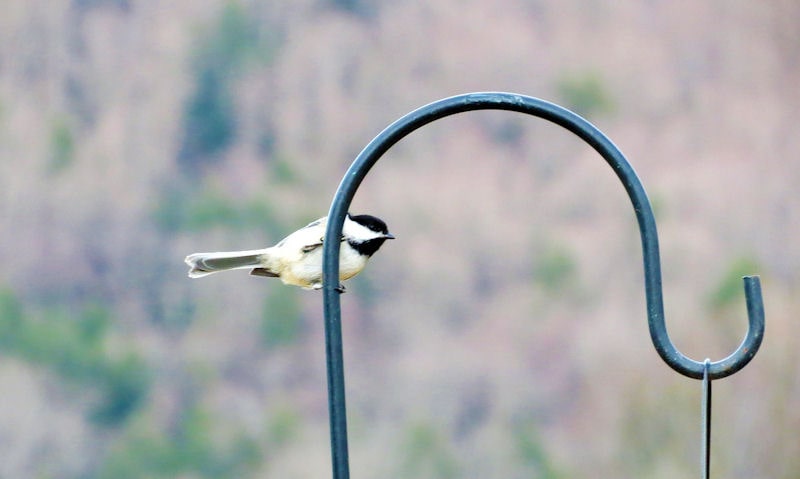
(752, 287)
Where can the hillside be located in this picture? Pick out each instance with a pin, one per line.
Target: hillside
(503, 334)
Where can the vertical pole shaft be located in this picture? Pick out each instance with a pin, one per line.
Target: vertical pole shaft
(336, 392)
(706, 413)
(333, 342)
(336, 402)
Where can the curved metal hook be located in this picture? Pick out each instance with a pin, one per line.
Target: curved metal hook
(641, 205)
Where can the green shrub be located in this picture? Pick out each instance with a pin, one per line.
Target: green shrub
(11, 319)
(210, 119)
(585, 93)
(555, 268)
(181, 210)
(531, 451)
(282, 427)
(426, 453)
(190, 449)
(124, 384)
(730, 288)
(360, 8)
(282, 171)
(72, 346)
(62, 145)
(281, 322)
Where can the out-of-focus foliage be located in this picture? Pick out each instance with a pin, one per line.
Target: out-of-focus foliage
(62, 145)
(179, 211)
(73, 347)
(210, 119)
(585, 93)
(425, 452)
(281, 322)
(730, 287)
(191, 448)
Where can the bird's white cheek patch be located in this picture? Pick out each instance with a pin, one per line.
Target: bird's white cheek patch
(358, 231)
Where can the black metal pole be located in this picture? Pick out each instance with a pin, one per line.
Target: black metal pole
(641, 206)
(706, 415)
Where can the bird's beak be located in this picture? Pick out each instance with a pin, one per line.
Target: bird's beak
(388, 236)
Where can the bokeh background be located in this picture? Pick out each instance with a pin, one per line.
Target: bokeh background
(503, 334)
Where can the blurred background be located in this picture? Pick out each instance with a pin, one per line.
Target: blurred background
(503, 334)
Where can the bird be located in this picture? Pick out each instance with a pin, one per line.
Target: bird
(297, 259)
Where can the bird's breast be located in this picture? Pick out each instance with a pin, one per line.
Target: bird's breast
(305, 269)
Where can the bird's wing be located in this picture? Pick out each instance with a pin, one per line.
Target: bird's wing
(306, 238)
(321, 221)
(311, 247)
(317, 226)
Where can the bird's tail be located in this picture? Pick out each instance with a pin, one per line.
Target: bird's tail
(203, 264)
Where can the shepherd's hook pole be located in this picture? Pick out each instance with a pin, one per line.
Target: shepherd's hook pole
(641, 206)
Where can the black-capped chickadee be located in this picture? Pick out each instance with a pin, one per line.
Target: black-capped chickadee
(297, 259)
